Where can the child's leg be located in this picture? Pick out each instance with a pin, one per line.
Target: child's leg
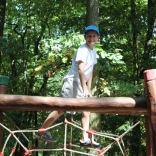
(85, 125)
(85, 142)
(53, 116)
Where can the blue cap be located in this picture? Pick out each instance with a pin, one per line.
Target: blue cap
(92, 28)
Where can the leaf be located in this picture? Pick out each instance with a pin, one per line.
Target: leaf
(65, 59)
(103, 54)
(107, 91)
(38, 68)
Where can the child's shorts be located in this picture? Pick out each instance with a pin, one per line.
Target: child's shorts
(72, 89)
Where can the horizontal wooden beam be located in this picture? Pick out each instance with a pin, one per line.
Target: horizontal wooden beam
(106, 105)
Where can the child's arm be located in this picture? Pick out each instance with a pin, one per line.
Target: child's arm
(82, 78)
(89, 84)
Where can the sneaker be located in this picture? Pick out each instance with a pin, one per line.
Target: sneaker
(88, 143)
(45, 137)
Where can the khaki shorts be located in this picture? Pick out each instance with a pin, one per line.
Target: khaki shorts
(72, 89)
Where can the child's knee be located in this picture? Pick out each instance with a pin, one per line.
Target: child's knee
(85, 114)
(61, 113)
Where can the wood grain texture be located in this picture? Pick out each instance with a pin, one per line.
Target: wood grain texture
(150, 94)
(110, 105)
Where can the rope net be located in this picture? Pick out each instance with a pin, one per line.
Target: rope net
(67, 146)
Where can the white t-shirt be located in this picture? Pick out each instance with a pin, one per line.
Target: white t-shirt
(86, 55)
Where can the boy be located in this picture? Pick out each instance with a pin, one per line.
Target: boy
(77, 84)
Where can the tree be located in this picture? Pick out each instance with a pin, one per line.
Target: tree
(148, 51)
(2, 16)
(92, 16)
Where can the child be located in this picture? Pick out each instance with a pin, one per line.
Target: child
(77, 84)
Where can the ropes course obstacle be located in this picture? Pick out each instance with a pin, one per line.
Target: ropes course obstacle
(108, 105)
(67, 146)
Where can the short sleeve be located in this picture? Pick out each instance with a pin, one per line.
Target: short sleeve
(81, 54)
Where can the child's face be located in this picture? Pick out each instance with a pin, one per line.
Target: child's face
(91, 38)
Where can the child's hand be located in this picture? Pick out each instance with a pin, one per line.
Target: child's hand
(90, 95)
(87, 94)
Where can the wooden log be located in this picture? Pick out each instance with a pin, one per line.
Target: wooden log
(3, 90)
(150, 93)
(1, 120)
(108, 105)
(150, 78)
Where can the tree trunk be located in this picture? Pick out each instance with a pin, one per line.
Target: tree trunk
(92, 19)
(149, 35)
(135, 144)
(2, 16)
(92, 12)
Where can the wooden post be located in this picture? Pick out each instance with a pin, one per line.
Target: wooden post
(1, 120)
(3, 90)
(4, 80)
(150, 93)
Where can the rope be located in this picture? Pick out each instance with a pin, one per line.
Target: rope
(66, 147)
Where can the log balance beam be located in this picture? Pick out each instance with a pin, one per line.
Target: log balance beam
(109, 105)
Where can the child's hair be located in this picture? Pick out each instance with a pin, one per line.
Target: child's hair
(92, 28)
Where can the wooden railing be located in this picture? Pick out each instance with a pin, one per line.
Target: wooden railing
(108, 105)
